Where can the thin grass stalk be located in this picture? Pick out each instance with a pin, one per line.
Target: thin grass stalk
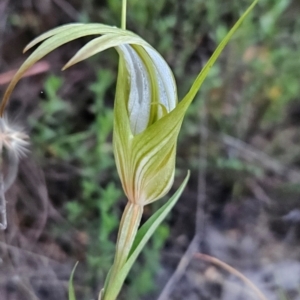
(233, 271)
(129, 225)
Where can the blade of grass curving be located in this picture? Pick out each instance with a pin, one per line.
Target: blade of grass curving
(142, 237)
(233, 271)
(71, 287)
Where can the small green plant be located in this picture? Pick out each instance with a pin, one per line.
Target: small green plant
(147, 121)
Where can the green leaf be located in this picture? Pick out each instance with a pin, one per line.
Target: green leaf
(71, 287)
(142, 237)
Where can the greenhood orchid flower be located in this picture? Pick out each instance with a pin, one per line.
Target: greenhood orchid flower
(144, 148)
(147, 121)
(146, 94)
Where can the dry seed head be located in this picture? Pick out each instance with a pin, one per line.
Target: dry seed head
(13, 138)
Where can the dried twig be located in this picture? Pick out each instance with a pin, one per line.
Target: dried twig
(233, 271)
(258, 191)
(201, 189)
(24, 288)
(252, 154)
(180, 270)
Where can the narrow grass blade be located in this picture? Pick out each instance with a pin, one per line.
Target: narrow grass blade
(71, 287)
(233, 271)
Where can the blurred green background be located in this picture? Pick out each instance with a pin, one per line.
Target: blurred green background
(240, 140)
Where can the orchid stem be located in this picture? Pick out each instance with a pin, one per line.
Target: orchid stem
(123, 18)
(129, 225)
